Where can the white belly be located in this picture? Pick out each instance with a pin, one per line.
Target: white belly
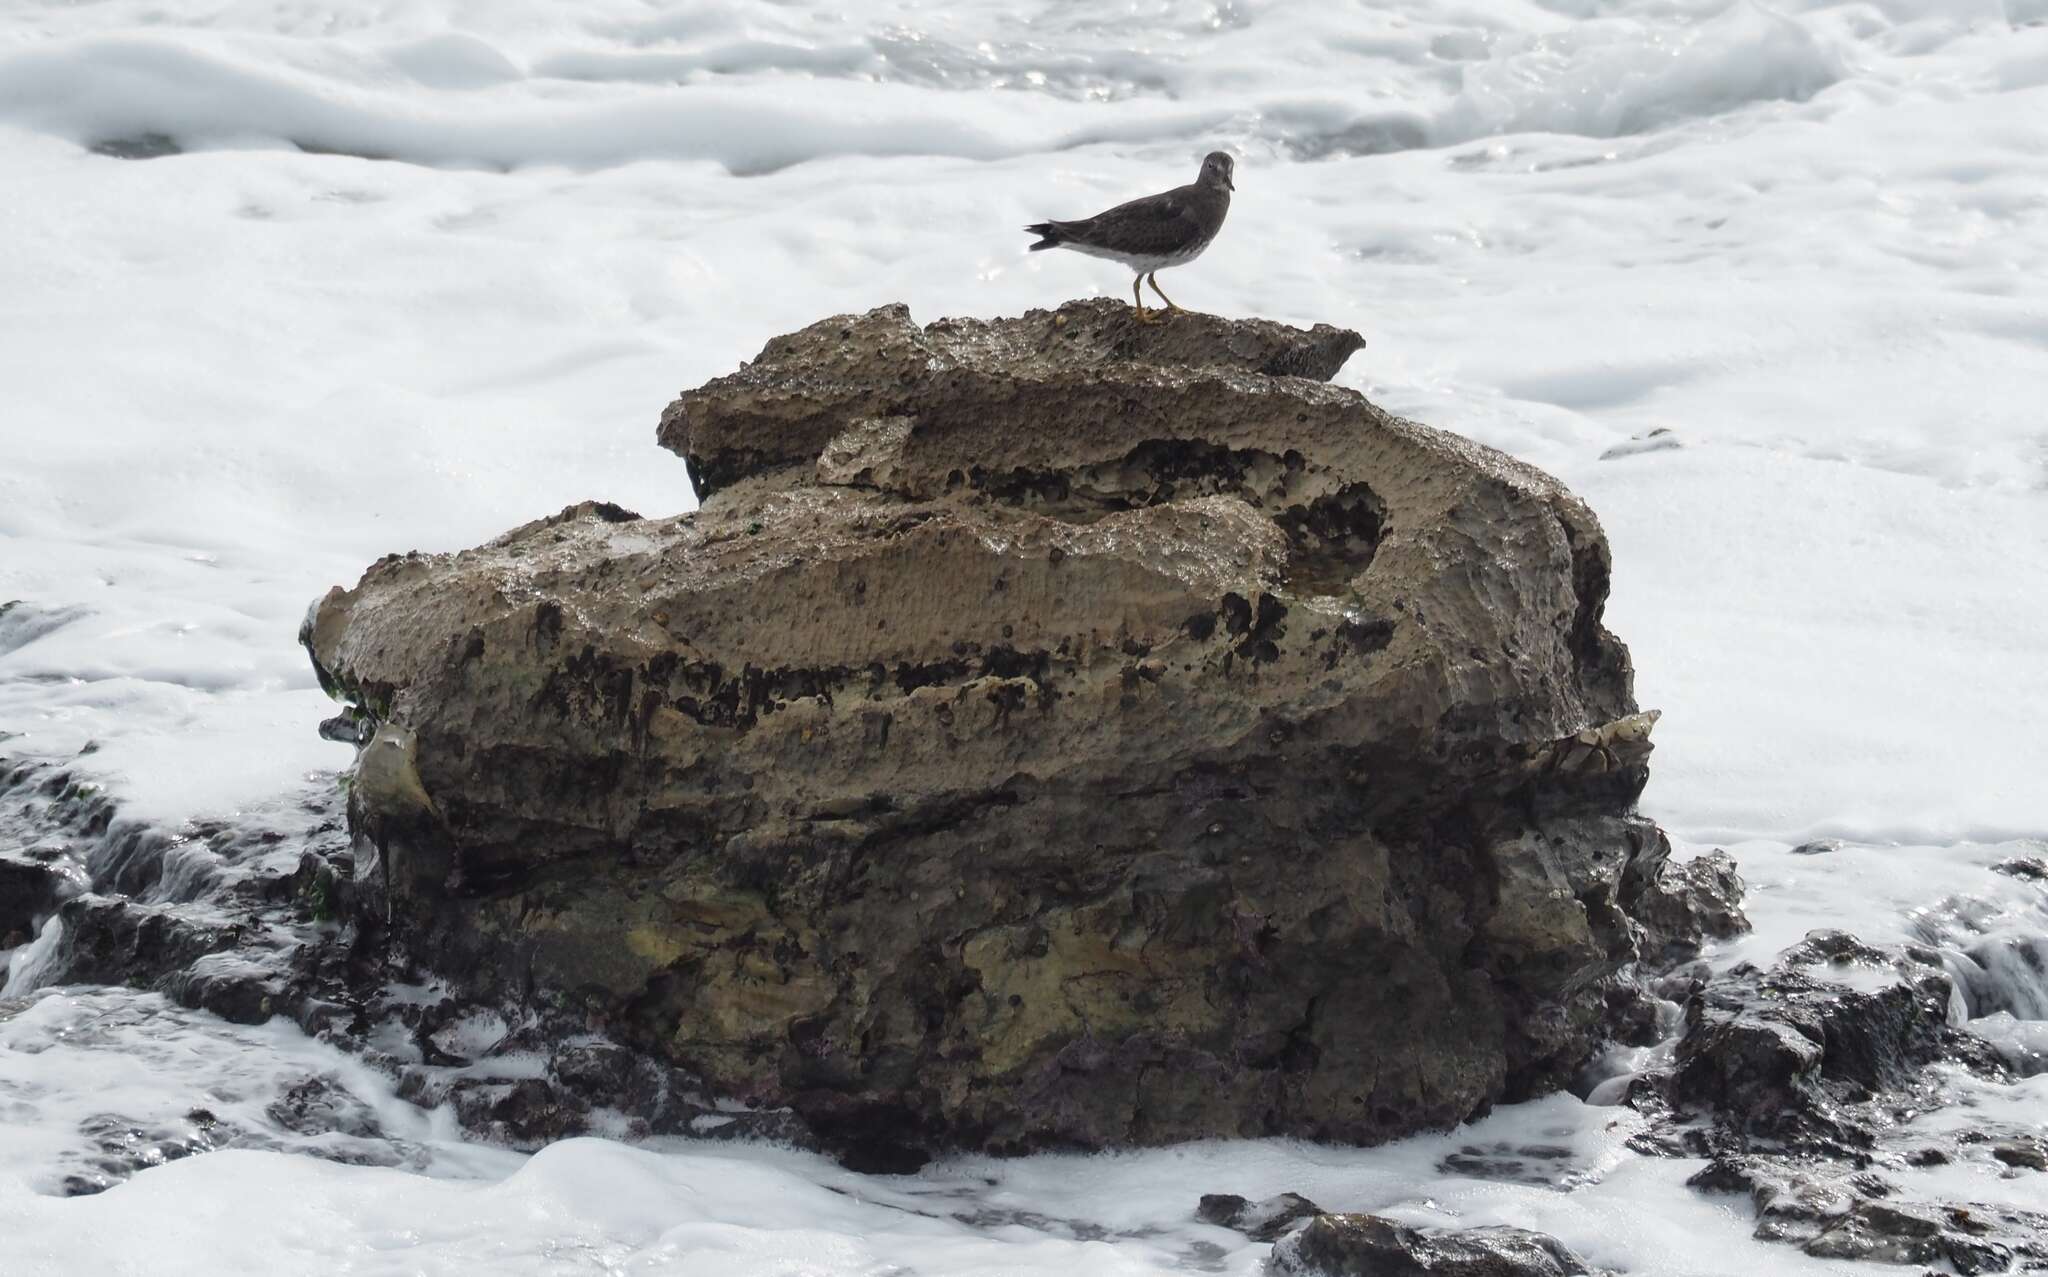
(1144, 264)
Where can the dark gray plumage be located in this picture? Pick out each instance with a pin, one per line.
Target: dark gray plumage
(1150, 234)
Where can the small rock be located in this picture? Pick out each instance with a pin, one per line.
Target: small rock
(1684, 905)
(602, 1074)
(1369, 1246)
(2022, 1154)
(1885, 1234)
(28, 891)
(526, 1113)
(1659, 440)
(1818, 847)
(1790, 1205)
(319, 1104)
(2030, 868)
(1261, 1221)
(1682, 982)
(1779, 1052)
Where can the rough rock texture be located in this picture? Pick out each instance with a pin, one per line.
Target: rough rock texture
(1778, 1054)
(1369, 1246)
(1834, 1215)
(1803, 1083)
(247, 921)
(1685, 905)
(1049, 732)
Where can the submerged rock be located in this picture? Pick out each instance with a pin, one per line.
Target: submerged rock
(1369, 1246)
(1818, 847)
(2026, 868)
(1262, 1221)
(1049, 732)
(1831, 1214)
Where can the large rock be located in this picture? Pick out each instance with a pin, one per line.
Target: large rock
(1052, 731)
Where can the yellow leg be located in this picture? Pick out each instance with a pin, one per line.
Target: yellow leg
(1153, 278)
(1138, 300)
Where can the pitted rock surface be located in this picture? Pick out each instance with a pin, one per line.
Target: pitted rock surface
(1048, 732)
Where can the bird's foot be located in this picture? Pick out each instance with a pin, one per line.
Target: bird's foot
(1144, 316)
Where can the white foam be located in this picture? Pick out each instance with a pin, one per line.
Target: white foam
(1806, 238)
(748, 1209)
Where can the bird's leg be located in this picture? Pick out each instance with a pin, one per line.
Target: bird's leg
(1153, 278)
(1138, 300)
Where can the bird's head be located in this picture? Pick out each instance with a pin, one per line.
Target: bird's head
(1217, 168)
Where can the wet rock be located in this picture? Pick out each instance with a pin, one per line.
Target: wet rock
(1262, 1221)
(681, 1116)
(1777, 1053)
(522, 1113)
(280, 937)
(320, 1104)
(1883, 1233)
(120, 1146)
(1818, 847)
(1684, 905)
(1369, 1246)
(110, 940)
(1548, 1165)
(28, 894)
(234, 987)
(605, 1075)
(1660, 439)
(1681, 982)
(2028, 868)
(237, 968)
(526, 1113)
(1049, 732)
(1636, 1016)
(1802, 1083)
(1833, 1215)
(2022, 1154)
(1791, 1205)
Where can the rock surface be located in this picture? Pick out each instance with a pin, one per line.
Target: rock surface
(1779, 1054)
(1262, 1221)
(1369, 1246)
(1803, 1081)
(1048, 732)
(1683, 906)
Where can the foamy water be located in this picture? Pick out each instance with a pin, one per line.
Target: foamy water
(419, 272)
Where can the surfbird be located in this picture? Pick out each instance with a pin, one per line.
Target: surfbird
(1150, 234)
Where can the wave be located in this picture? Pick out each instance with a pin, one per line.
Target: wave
(456, 101)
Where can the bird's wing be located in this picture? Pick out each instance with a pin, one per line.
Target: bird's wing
(1156, 223)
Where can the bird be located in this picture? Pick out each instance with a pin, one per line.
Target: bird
(1150, 234)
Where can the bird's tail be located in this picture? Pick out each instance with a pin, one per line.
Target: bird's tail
(1049, 233)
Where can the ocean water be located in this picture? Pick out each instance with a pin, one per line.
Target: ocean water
(1766, 282)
